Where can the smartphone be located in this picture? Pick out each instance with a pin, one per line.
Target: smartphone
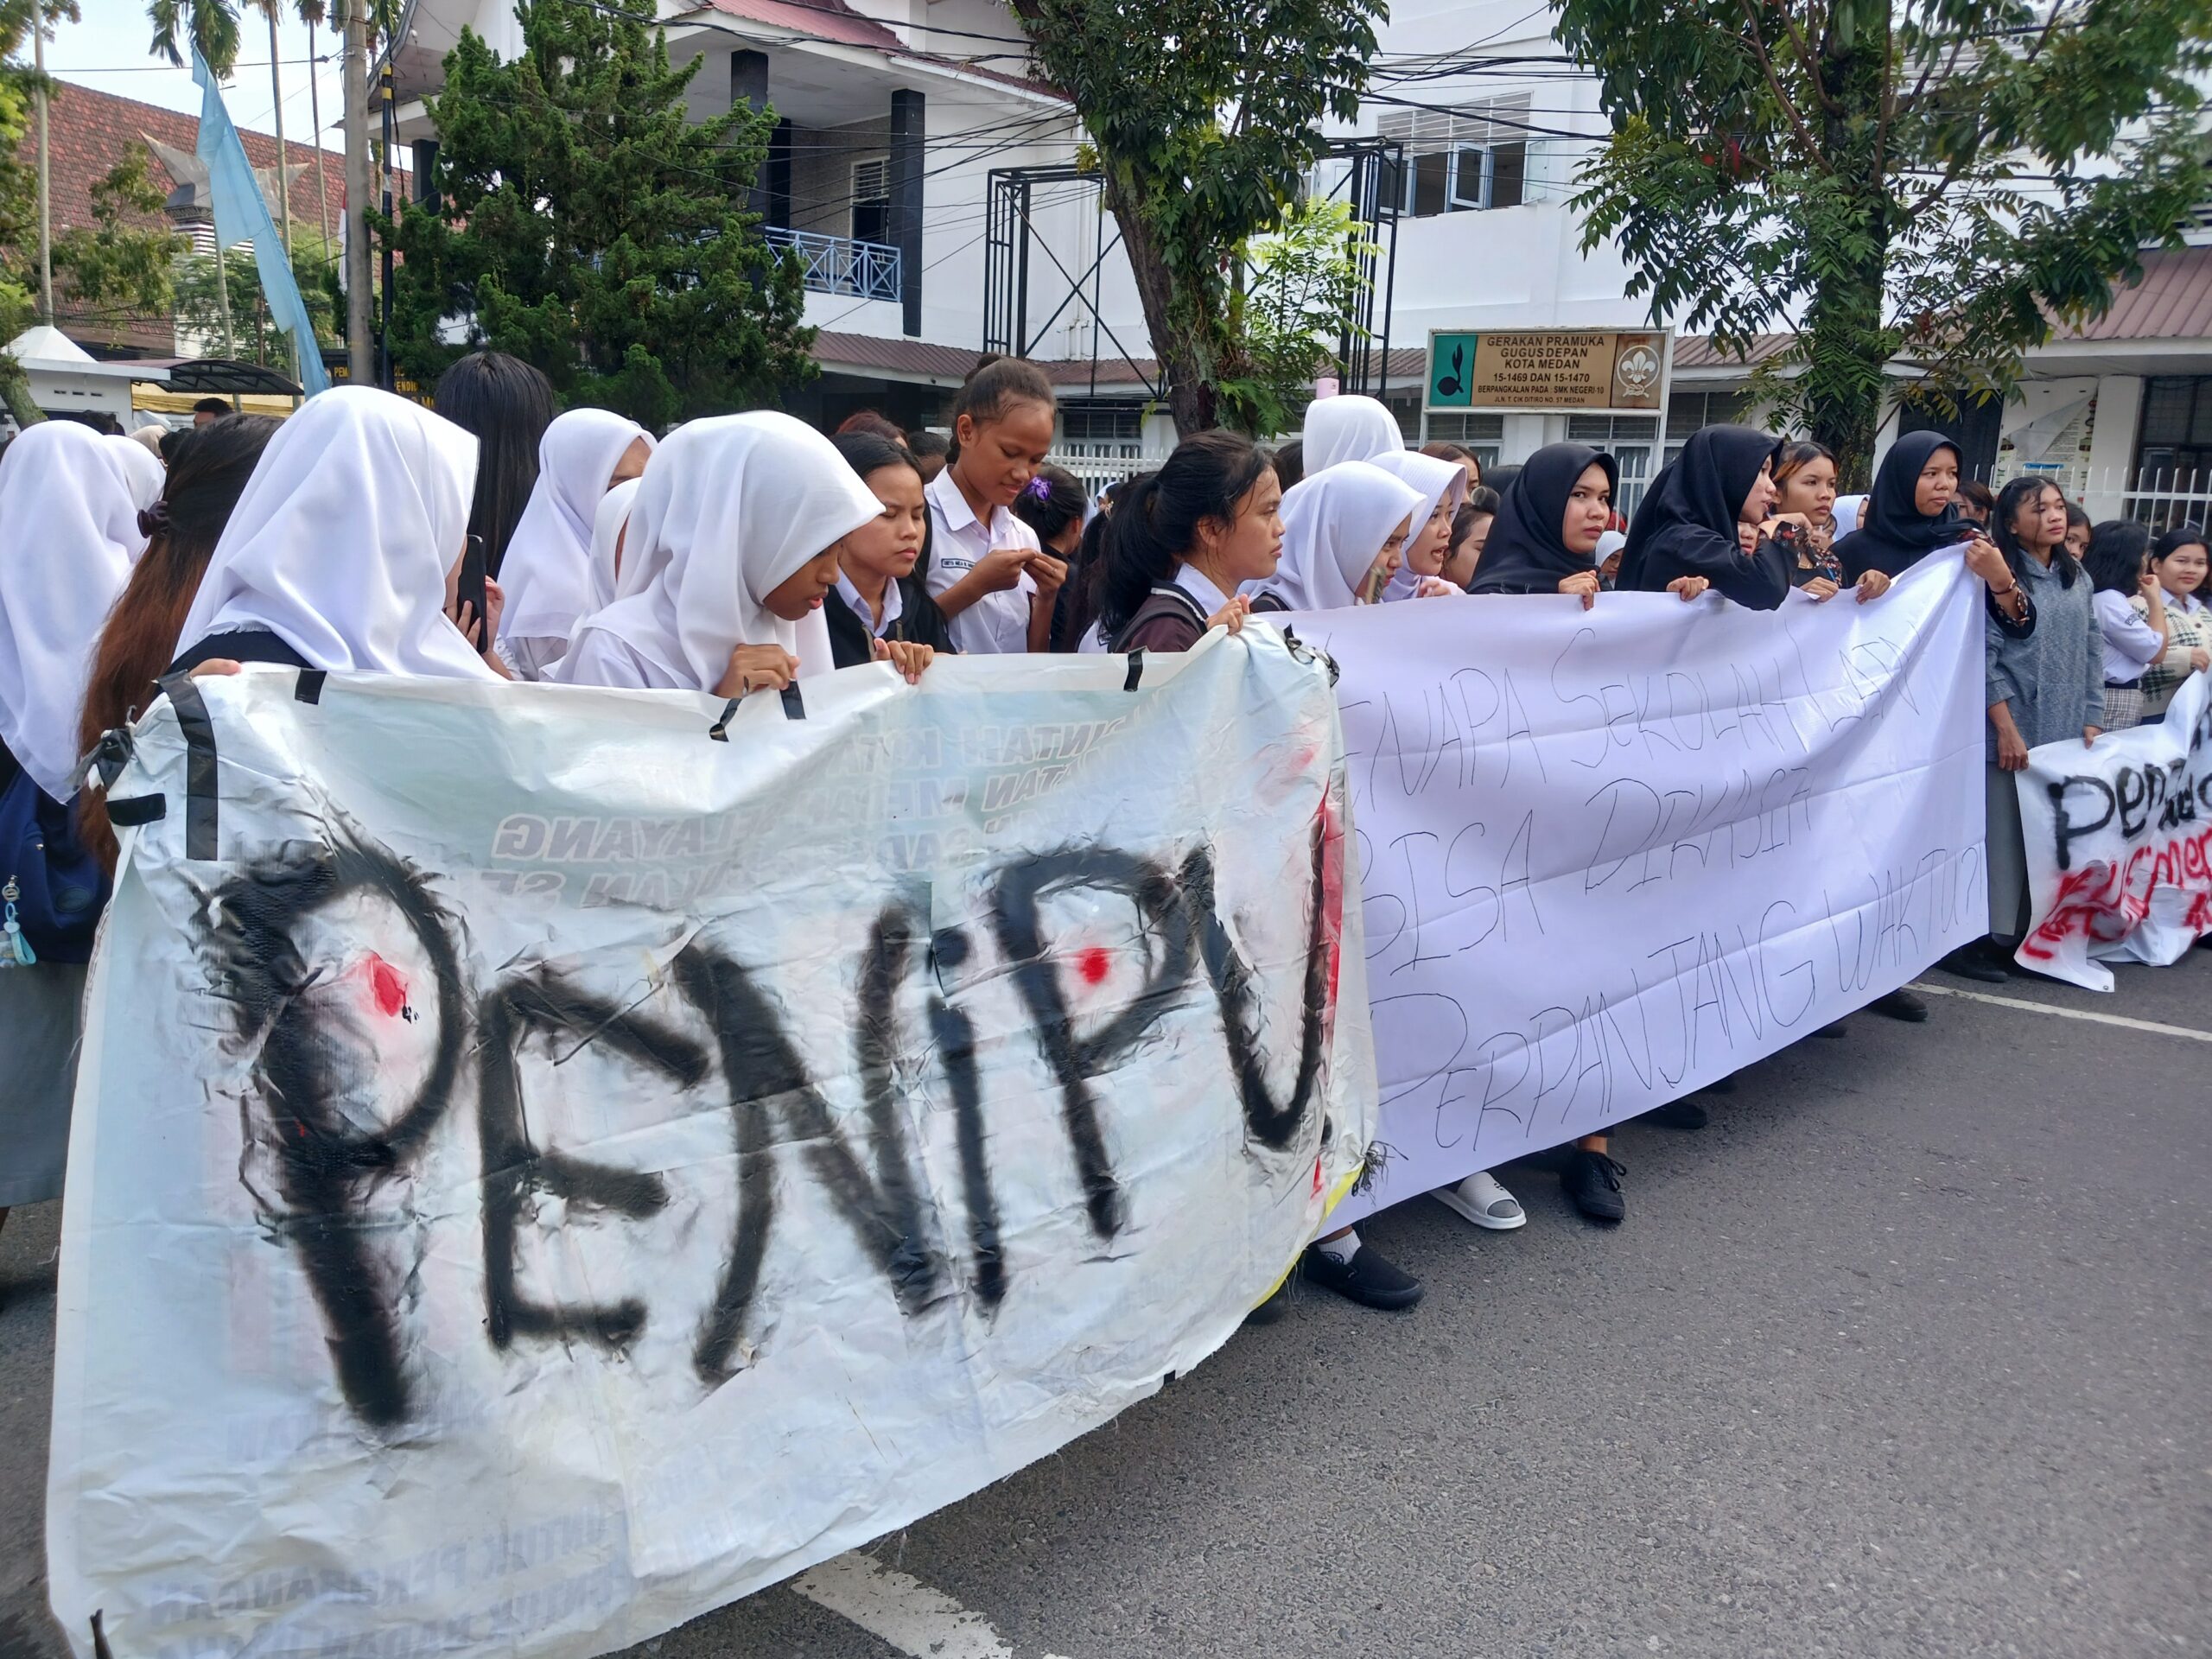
(471, 591)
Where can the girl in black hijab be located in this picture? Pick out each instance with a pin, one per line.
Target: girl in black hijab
(1550, 515)
(1685, 528)
(1913, 512)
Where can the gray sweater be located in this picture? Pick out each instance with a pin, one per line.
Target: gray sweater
(2053, 678)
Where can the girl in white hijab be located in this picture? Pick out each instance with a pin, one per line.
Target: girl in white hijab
(1337, 526)
(730, 551)
(1443, 486)
(1348, 428)
(607, 542)
(547, 571)
(338, 553)
(70, 502)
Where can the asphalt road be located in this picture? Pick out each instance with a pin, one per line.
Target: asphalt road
(1910, 1353)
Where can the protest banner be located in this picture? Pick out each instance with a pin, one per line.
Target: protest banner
(2119, 839)
(1611, 856)
(548, 1162)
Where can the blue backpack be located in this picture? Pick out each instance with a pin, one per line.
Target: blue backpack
(51, 887)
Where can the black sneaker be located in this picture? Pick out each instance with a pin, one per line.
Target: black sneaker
(1720, 1085)
(1366, 1278)
(1972, 962)
(1679, 1114)
(1901, 1005)
(1592, 1181)
(1275, 1307)
(1833, 1028)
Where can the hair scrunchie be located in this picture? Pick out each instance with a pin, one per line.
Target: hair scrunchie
(154, 519)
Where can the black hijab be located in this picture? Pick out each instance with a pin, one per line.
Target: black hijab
(1893, 534)
(1525, 553)
(1686, 524)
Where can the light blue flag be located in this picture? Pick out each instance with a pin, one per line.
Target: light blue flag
(242, 215)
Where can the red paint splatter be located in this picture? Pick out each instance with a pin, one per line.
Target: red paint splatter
(391, 990)
(1093, 963)
(1316, 1175)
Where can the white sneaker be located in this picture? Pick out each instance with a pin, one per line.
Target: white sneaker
(1483, 1201)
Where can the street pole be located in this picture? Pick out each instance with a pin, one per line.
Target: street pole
(284, 156)
(45, 173)
(360, 354)
(384, 330)
(315, 114)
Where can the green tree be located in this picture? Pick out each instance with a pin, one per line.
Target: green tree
(588, 227)
(1206, 115)
(19, 85)
(1304, 281)
(1935, 180)
(115, 270)
(254, 333)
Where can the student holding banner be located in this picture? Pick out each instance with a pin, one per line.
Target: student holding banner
(1183, 540)
(2179, 560)
(732, 550)
(2044, 687)
(1443, 485)
(1692, 527)
(879, 611)
(1551, 514)
(2129, 614)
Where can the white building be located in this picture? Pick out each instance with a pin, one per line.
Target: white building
(894, 114)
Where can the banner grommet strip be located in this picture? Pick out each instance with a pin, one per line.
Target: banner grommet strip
(137, 809)
(718, 732)
(200, 840)
(309, 687)
(794, 704)
(1136, 669)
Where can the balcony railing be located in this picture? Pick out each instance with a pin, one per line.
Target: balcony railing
(841, 264)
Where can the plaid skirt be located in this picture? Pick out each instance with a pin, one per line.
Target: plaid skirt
(2123, 707)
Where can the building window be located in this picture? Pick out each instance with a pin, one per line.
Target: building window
(872, 201)
(1630, 438)
(1405, 409)
(1690, 413)
(1457, 163)
(2173, 451)
(1107, 430)
(1484, 434)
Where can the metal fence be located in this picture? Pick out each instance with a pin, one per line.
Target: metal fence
(841, 264)
(1097, 466)
(2163, 497)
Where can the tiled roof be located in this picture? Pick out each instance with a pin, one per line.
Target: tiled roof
(92, 130)
(2172, 301)
(878, 355)
(1699, 352)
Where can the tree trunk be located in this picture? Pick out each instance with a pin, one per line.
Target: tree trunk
(1185, 358)
(16, 392)
(360, 347)
(1846, 347)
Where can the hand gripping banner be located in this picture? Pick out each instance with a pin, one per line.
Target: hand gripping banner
(1609, 856)
(549, 1162)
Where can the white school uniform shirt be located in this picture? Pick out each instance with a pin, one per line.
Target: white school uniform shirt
(1195, 582)
(958, 541)
(894, 605)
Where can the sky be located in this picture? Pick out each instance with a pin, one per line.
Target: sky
(111, 50)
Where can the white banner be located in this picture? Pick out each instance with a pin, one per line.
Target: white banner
(2119, 844)
(1611, 856)
(541, 1173)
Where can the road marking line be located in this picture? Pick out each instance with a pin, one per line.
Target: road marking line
(904, 1611)
(2063, 1014)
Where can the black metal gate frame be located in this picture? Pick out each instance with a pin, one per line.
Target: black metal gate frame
(1009, 233)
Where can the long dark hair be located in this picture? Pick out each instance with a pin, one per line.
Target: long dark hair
(1050, 501)
(1087, 581)
(2115, 561)
(508, 405)
(1156, 516)
(139, 641)
(2025, 489)
(868, 452)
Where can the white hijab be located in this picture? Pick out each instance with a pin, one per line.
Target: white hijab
(1348, 428)
(1437, 481)
(69, 506)
(614, 509)
(729, 508)
(340, 544)
(546, 574)
(1848, 510)
(1333, 525)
